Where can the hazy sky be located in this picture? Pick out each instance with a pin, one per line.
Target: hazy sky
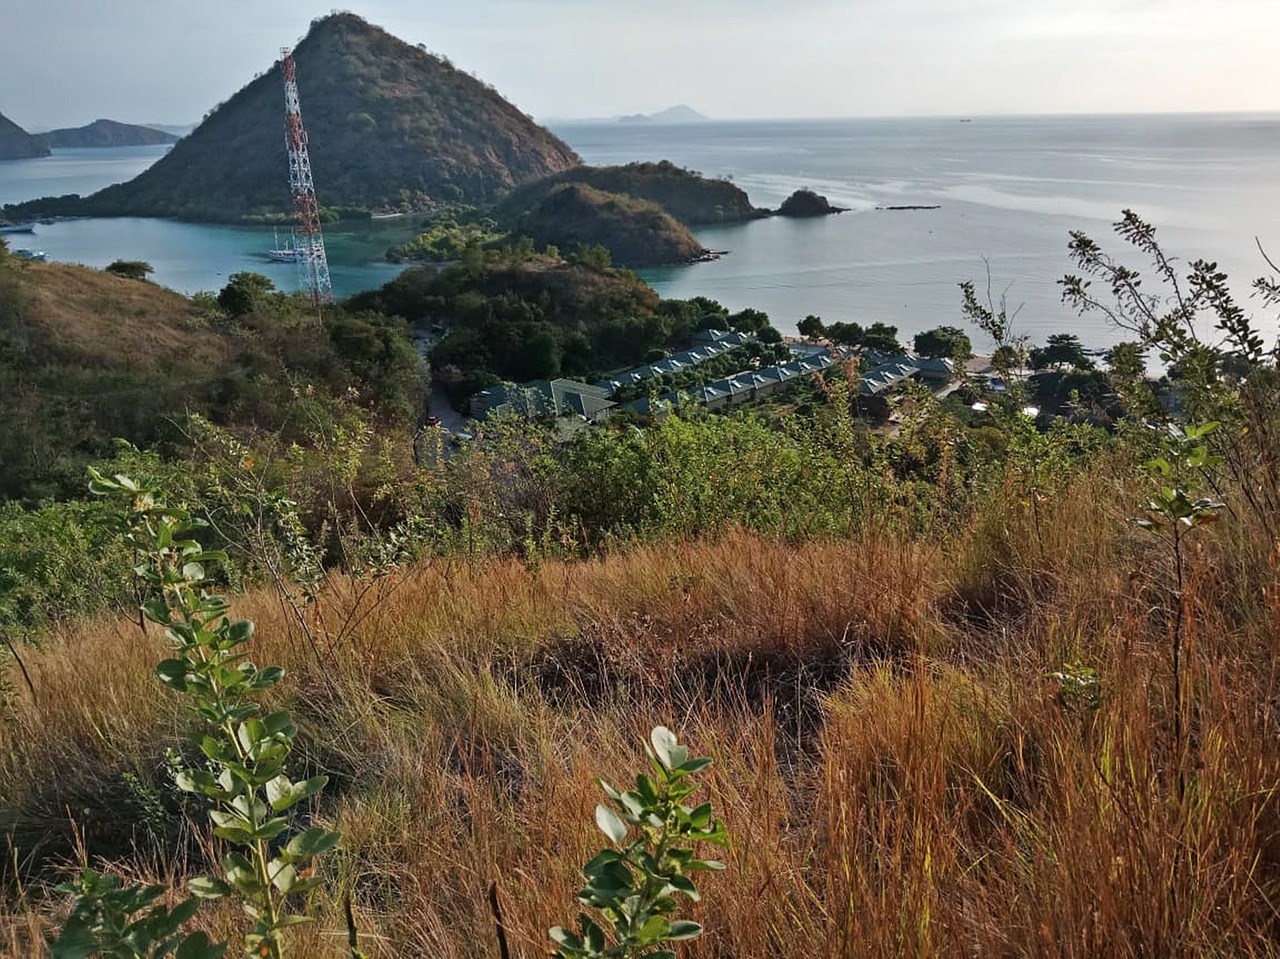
(70, 61)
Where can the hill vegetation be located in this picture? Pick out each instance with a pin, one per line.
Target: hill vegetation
(510, 313)
(107, 133)
(687, 196)
(248, 359)
(985, 683)
(636, 233)
(17, 144)
(390, 126)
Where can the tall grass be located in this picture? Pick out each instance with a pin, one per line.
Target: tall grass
(897, 769)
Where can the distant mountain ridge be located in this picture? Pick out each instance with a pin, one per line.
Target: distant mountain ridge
(17, 144)
(106, 133)
(389, 126)
(677, 114)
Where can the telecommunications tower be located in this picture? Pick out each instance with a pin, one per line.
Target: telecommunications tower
(313, 264)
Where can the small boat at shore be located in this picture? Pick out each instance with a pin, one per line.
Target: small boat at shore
(35, 256)
(289, 253)
(17, 228)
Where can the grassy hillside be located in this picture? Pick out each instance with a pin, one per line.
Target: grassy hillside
(87, 357)
(900, 771)
(388, 124)
(987, 682)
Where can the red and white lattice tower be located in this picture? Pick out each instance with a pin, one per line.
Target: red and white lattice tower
(313, 264)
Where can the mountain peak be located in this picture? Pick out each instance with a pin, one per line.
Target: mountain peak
(388, 124)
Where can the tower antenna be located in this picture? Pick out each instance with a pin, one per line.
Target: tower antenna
(313, 263)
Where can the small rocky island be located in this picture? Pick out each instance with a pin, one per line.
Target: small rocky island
(806, 203)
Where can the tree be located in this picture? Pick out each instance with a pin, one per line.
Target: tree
(749, 321)
(244, 293)
(770, 335)
(811, 327)
(1008, 357)
(882, 337)
(130, 269)
(1062, 349)
(947, 342)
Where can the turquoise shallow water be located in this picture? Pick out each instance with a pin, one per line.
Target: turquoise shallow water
(1009, 190)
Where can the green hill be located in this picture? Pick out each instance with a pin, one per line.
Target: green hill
(687, 196)
(86, 357)
(106, 133)
(17, 144)
(389, 126)
(636, 233)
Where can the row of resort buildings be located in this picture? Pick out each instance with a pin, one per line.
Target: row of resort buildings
(565, 399)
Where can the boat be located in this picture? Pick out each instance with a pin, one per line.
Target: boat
(37, 256)
(17, 228)
(289, 253)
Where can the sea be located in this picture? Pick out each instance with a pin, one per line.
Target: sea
(1008, 193)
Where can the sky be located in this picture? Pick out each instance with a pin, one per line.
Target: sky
(68, 62)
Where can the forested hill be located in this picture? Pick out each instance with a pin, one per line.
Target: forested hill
(389, 125)
(17, 144)
(687, 196)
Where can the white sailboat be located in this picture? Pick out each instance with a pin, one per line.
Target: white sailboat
(289, 253)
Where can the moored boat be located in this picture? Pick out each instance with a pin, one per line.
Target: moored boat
(17, 228)
(289, 253)
(38, 256)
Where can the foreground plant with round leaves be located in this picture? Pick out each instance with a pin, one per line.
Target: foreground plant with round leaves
(244, 777)
(633, 885)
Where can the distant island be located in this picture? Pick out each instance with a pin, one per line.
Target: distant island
(106, 133)
(676, 114)
(17, 144)
(681, 113)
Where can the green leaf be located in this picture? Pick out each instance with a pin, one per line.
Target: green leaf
(665, 746)
(655, 929)
(312, 842)
(693, 766)
(198, 946)
(173, 673)
(207, 887)
(611, 825)
(684, 929)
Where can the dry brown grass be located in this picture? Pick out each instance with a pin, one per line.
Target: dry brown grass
(84, 316)
(894, 765)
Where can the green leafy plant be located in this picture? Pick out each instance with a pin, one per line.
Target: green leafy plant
(632, 885)
(115, 921)
(1173, 513)
(1078, 686)
(253, 797)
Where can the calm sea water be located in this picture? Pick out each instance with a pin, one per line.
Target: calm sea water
(1009, 191)
(186, 256)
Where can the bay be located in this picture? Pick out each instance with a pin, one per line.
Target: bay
(1009, 191)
